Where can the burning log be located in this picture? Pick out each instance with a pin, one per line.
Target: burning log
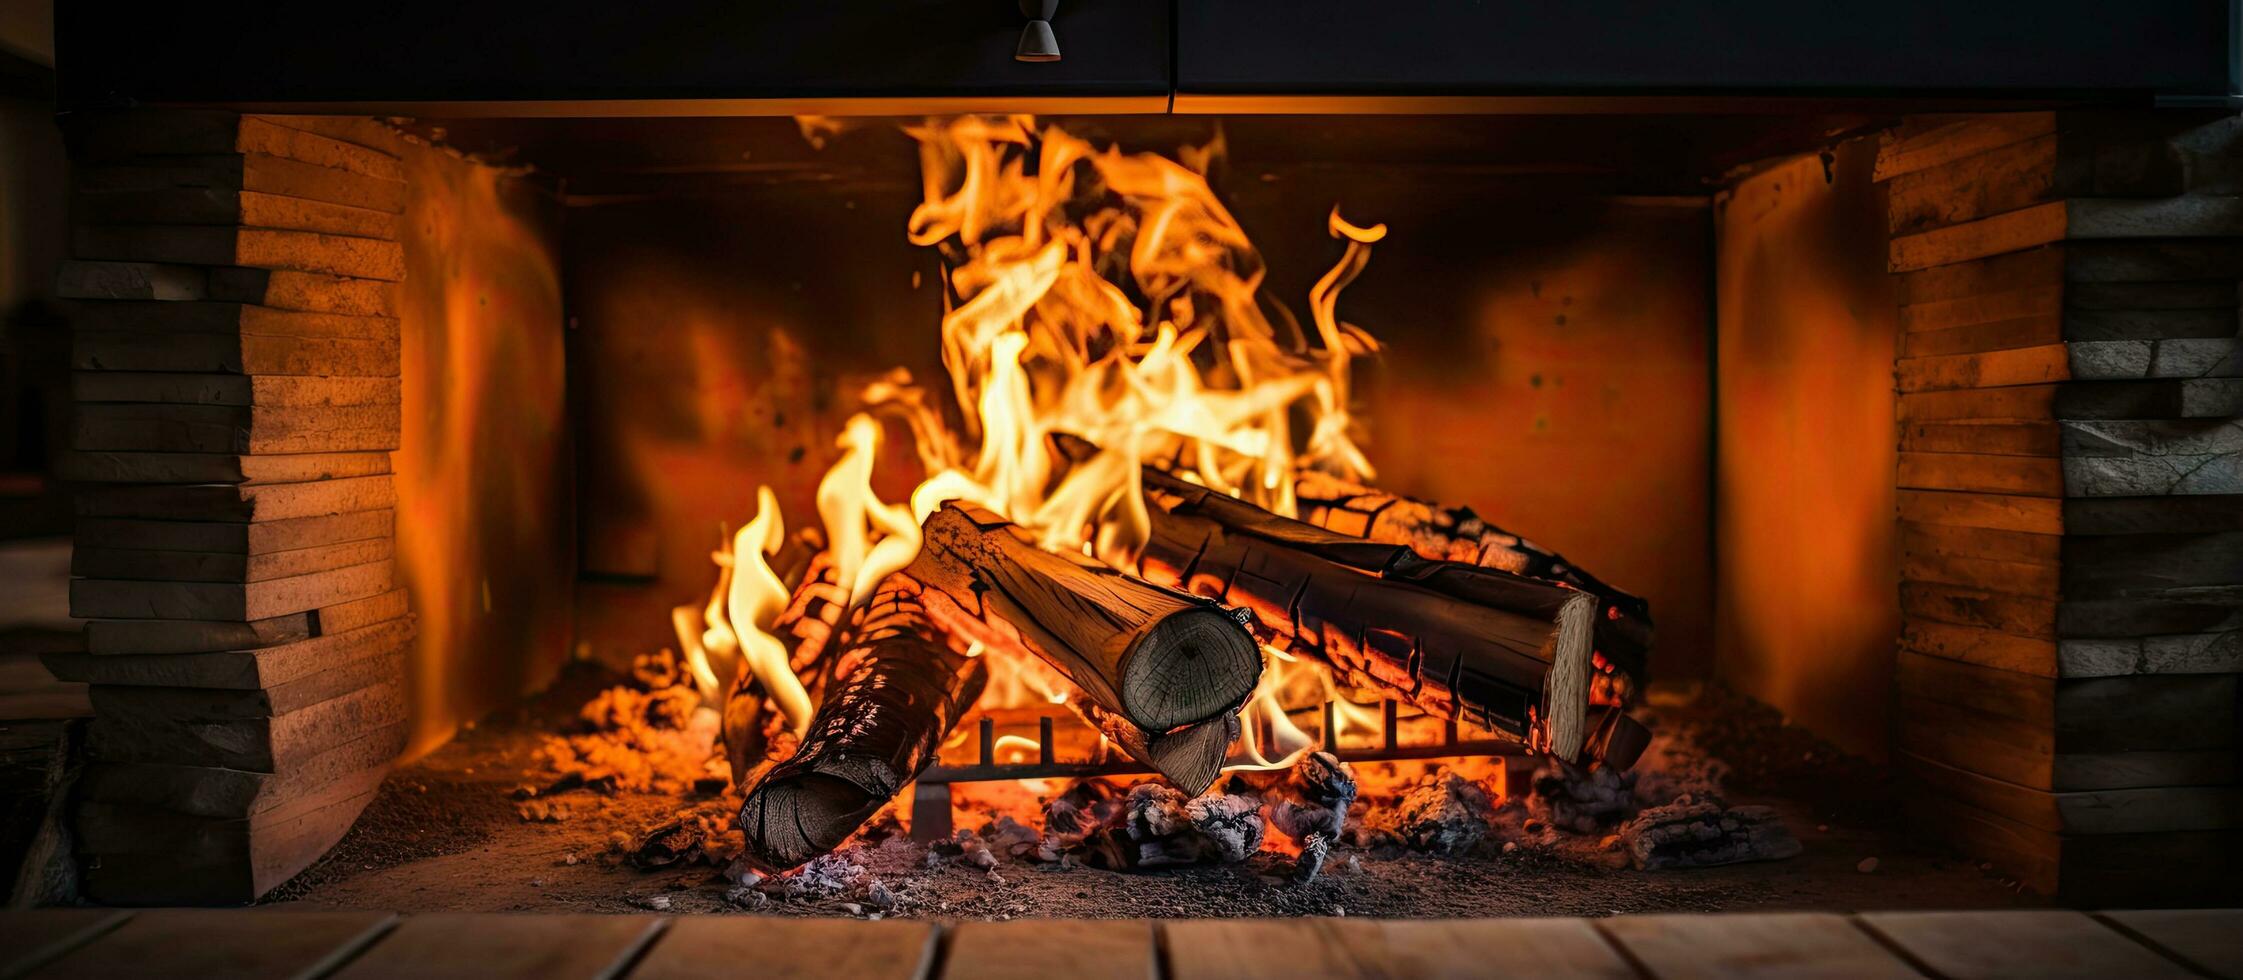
(1496, 649)
(1457, 534)
(1165, 672)
(902, 689)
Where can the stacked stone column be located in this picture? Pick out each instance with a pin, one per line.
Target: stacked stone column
(237, 395)
(2071, 495)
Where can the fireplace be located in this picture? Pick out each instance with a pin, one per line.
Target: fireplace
(1238, 474)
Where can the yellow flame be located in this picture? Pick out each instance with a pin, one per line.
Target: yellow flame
(853, 514)
(1287, 742)
(1105, 296)
(1014, 748)
(739, 616)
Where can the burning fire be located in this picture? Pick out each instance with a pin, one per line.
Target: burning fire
(1094, 294)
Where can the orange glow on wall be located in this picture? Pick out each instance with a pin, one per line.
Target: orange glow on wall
(485, 533)
(1572, 406)
(1808, 601)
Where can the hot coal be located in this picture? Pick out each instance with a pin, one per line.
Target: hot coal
(645, 737)
(1158, 827)
(667, 845)
(1232, 825)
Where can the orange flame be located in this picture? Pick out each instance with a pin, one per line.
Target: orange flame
(748, 599)
(1097, 294)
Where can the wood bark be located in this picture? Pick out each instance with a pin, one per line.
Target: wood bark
(1190, 757)
(1160, 659)
(902, 690)
(1459, 535)
(1498, 650)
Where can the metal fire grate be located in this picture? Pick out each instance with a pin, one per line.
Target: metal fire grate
(930, 800)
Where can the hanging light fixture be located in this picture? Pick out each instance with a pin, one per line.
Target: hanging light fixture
(1037, 42)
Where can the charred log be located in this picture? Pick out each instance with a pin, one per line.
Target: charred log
(902, 689)
(1501, 651)
(1457, 534)
(1165, 672)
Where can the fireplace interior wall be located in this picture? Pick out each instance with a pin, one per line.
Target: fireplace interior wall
(485, 464)
(1806, 550)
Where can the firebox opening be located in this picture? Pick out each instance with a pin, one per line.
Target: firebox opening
(870, 462)
(1299, 459)
(1533, 338)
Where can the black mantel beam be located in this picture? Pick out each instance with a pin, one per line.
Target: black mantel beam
(719, 57)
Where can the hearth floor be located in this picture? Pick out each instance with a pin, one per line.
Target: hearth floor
(445, 835)
(295, 943)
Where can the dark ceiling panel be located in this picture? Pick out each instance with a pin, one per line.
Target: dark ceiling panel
(1779, 47)
(268, 51)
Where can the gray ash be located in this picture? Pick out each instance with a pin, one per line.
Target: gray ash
(1702, 831)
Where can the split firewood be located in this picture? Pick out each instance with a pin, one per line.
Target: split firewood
(1166, 671)
(1459, 535)
(902, 689)
(1498, 650)
(1190, 757)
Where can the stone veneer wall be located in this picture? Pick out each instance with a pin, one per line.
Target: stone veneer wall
(2071, 495)
(237, 398)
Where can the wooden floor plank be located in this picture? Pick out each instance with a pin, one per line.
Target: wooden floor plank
(699, 948)
(498, 946)
(2034, 943)
(30, 937)
(1030, 949)
(1292, 948)
(221, 944)
(1676, 947)
(254, 943)
(2211, 939)
(1249, 949)
(1475, 947)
